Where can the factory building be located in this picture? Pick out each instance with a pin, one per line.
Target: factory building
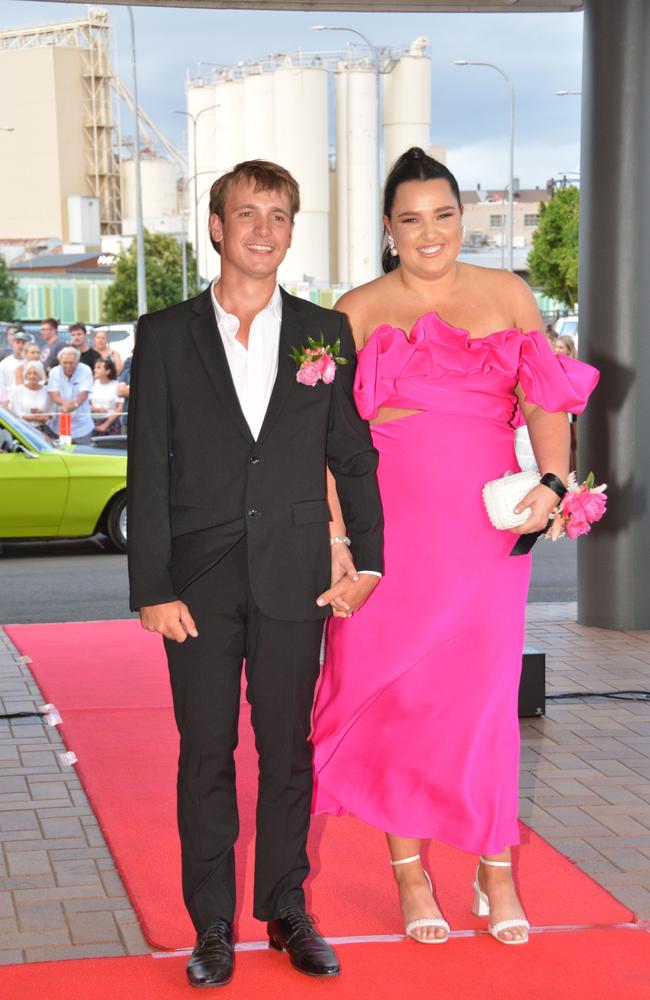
(67, 175)
(278, 109)
(55, 95)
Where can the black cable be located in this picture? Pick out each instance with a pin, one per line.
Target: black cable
(614, 695)
(563, 696)
(24, 715)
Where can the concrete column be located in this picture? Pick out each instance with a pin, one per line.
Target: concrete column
(614, 434)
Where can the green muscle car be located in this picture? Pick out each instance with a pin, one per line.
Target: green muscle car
(52, 492)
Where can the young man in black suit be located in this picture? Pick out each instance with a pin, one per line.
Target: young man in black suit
(229, 549)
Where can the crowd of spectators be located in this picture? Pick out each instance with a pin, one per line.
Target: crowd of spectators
(90, 382)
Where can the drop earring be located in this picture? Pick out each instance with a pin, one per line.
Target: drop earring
(391, 246)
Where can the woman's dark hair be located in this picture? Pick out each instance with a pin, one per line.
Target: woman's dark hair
(413, 165)
(110, 366)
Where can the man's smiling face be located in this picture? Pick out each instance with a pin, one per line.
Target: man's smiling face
(256, 230)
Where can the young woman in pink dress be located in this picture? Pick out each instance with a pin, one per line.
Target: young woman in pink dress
(415, 724)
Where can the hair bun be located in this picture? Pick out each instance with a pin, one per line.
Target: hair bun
(414, 153)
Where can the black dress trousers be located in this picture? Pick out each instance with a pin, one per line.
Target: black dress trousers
(282, 668)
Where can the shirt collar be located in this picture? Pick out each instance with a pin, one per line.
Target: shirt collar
(229, 324)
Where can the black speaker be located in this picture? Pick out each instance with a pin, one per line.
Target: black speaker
(532, 687)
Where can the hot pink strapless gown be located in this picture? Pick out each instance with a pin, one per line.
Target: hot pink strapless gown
(415, 723)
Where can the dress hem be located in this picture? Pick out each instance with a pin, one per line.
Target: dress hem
(489, 849)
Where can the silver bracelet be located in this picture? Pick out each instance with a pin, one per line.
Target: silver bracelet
(340, 538)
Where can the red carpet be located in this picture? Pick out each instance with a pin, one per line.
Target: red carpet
(590, 965)
(109, 682)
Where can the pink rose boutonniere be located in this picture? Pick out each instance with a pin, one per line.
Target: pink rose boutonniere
(582, 505)
(317, 361)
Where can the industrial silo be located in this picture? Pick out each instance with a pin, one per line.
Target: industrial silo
(229, 123)
(407, 103)
(300, 142)
(201, 100)
(356, 172)
(259, 141)
(159, 191)
(223, 148)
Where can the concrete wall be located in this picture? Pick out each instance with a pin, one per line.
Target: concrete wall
(42, 161)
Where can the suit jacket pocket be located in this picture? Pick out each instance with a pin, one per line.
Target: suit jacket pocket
(311, 512)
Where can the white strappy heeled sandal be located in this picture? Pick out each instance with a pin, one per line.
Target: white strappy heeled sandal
(424, 921)
(481, 908)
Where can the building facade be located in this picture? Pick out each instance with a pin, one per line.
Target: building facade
(485, 216)
(70, 287)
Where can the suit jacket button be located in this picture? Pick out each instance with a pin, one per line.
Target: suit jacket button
(254, 513)
(255, 460)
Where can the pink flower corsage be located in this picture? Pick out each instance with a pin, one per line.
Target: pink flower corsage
(317, 361)
(581, 506)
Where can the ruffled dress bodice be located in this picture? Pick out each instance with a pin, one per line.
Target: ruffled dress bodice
(441, 367)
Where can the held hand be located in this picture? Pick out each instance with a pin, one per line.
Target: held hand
(172, 620)
(541, 501)
(347, 596)
(342, 566)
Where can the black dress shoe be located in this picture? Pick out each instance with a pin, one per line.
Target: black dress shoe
(213, 958)
(310, 953)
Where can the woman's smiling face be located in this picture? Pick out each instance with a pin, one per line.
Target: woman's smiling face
(426, 224)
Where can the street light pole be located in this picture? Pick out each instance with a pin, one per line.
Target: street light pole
(184, 260)
(379, 165)
(511, 90)
(194, 119)
(139, 226)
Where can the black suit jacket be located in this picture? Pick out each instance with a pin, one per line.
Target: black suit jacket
(198, 481)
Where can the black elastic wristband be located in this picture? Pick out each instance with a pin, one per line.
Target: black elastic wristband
(553, 483)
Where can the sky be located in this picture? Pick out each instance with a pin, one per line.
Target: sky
(541, 53)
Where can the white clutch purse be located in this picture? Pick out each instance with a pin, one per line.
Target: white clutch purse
(501, 496)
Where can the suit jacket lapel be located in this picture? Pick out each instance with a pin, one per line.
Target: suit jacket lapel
(291, 334)
(205, 331)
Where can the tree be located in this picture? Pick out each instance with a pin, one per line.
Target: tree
(163, 260)
(9, 294)
(553, 261)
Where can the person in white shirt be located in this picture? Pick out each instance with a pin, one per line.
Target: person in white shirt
(32, 352)
(105, 404)
(30, 399)
(70, 384)
(9, 364)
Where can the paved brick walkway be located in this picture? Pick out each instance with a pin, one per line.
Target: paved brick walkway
(585, 771)
(60, 895)
(585, 766)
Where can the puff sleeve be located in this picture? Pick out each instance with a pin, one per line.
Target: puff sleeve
(553, 381)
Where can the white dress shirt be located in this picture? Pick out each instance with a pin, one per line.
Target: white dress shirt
(8, 367)
(254, 370)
